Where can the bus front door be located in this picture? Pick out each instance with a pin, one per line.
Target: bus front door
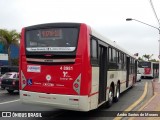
(103, 74)
(127, 68)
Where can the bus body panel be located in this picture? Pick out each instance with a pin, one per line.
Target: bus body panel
(118, 76)
(51, 79)
(94, 88)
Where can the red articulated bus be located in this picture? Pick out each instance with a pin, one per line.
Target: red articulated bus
(70, 66)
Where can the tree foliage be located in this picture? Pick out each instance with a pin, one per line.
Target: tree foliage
(15, 61)
(8, 37)
(147, 57)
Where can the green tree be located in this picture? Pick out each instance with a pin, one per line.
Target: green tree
(15, 61)
(148, 57)
(153, 60)
(140, 59)
(8, 37)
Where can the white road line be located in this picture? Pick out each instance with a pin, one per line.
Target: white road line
(9, 101)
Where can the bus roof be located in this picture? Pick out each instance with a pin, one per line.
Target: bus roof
(112, 43)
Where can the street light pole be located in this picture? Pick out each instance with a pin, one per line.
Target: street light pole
(130, 19)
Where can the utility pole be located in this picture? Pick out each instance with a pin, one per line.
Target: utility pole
(155, 14)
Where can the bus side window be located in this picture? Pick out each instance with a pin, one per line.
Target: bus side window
(110, 55)
(94, 49)
(117, 56)
(114, 55)
(94, 52)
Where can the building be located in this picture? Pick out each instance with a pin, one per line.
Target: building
(3, 59)
(4, 55)
(14, 51)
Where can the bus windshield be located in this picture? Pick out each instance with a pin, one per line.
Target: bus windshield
(52, 39)
(144, 64)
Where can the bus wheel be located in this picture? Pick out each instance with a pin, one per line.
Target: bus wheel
(116, 98)
(110, 97)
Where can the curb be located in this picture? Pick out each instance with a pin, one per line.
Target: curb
(154, 94)
(131, 107)
(147, 103)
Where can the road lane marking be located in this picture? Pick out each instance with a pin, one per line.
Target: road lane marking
(147, 102)
(145, 105)
(135, 103)
(9, 101)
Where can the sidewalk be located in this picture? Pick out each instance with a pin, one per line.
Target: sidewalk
(153, 104)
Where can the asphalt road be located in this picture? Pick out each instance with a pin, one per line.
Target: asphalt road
(10, 102)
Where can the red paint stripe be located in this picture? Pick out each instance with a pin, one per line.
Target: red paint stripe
(93, 94)
(98, 92)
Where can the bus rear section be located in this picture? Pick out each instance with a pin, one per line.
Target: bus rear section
(55, 66)
(146, 69)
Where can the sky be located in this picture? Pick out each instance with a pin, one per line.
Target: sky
(107, 17)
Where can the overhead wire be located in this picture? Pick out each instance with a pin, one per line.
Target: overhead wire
(155, 12)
